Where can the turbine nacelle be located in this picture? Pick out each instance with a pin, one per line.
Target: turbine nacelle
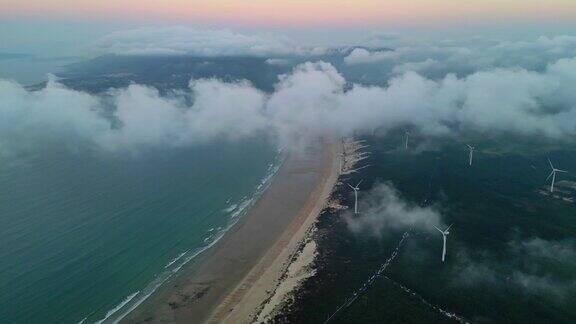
(357, 186)
(444, 232)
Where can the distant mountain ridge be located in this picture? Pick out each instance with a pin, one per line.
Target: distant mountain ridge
(167, 72)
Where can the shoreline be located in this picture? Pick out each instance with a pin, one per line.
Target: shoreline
(300, 266)
(231, 280)
(285, 257)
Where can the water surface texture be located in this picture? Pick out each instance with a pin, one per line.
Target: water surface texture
(83, 233)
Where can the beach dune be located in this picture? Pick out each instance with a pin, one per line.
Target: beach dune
(232, 279)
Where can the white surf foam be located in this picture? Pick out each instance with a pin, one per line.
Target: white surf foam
(230, 208)
(118, 307)
(175, 259)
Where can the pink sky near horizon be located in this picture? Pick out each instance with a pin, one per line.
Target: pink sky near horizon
(301, 12)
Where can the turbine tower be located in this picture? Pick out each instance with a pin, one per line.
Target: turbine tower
(553, 175)
(444, 235)
(471, 148)
(407, 136)
(356, 195)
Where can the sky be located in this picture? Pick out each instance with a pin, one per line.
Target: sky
(67, 27)
(485, 82)
(302, 12)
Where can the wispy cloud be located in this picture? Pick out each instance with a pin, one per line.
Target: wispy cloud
(384, 209)
(527, 267)
(181, 40)
(364, 56)
(313, 99)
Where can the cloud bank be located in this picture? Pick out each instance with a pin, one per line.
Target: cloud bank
(437, 58)
(364, 56)
(197, 42)
(314, 99)
(128, 119)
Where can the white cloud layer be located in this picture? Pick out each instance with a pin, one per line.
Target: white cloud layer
(316, 98)
(199, 42)
(140, 116)
(463, 57)
(364, 56)
(313, 99)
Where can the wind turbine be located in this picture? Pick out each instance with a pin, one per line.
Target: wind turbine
(356, 195)
(471, 148)
(444, 235)
(553, 175)
(407, 136)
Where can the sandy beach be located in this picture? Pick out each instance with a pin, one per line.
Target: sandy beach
(231, 281)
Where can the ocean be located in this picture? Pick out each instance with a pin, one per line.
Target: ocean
(510, 255)
(86, 236)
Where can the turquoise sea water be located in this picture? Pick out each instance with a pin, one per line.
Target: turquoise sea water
(84, 233)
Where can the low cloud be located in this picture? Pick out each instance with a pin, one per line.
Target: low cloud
(364, 56)
(278, 62)
(197, 42)
(424, 67)
(561, 251)
(384, 209)
(501, 101)
(544, 284)
(465, 56)
(383, 39)
(131, 118)
(527, 267)
(314, 99)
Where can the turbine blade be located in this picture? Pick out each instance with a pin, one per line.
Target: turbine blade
(551, 173)
(562, 171)
(359, 183)
(351, 186)
(439, 230)
(449, 227)
(551, 165)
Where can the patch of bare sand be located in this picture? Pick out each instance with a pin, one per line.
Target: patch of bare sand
(211, 286)
(261, 285)
(289, 273)
(298, 271)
